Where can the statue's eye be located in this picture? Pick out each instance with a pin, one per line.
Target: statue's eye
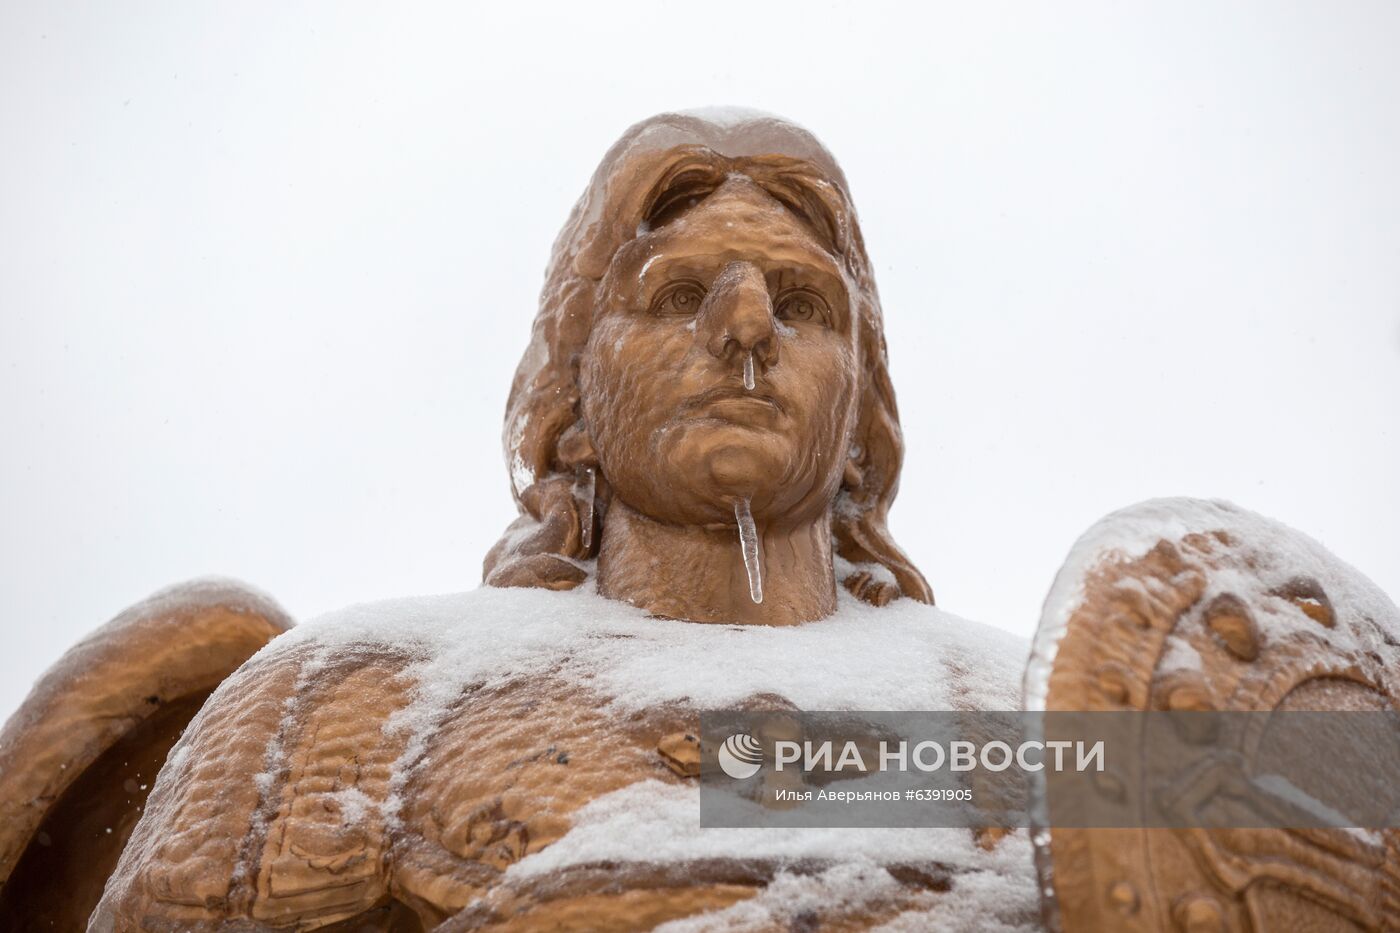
(802, 304)
(683, 298)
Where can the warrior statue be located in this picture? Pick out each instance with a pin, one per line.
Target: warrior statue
(702, 430)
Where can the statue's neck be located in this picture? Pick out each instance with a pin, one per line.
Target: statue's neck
(698, 573)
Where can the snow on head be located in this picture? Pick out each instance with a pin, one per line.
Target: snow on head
(728, 116)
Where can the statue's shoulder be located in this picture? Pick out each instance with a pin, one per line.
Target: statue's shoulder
(272, 804)
(281, 798)
(413, 752)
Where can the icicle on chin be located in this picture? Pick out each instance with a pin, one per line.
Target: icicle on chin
(748, 534)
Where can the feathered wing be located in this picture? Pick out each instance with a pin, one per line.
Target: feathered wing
(81, 753)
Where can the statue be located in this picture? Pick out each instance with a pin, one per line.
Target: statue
(702, 430)
(709, 354)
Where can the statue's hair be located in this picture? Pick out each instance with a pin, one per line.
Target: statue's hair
(656, 171)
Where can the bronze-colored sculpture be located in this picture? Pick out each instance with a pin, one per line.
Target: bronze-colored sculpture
(709, 346)
(1215, 608)
(703, 426)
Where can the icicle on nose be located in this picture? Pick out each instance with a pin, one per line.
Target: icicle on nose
(748, 376)
(748, 543)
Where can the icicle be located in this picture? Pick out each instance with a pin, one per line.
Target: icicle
(748, 543)
(585, 485)
(748, 376)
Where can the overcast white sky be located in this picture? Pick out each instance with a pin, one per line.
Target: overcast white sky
(266, 270)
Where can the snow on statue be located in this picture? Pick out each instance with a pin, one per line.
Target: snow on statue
(702, 429)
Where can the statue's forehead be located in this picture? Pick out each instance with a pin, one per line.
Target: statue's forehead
(721, 230)
(739, 193)
(740, 213)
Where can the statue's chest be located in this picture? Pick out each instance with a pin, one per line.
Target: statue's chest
(511, 772)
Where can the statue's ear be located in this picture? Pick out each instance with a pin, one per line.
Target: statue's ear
(559, 523)
(575, 448)
(590, 491)
(851, 478)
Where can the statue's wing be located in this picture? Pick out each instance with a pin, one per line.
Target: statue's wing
(79, 756)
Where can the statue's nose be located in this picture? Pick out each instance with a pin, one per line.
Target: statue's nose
(737, 315)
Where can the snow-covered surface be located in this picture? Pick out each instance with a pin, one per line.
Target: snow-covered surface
(1278, 555)
(987, 901)
(730, 116)
(902, 656)
(171, 604)
(191, 595)
(1283, 554)
(665, 817)
(993, 890)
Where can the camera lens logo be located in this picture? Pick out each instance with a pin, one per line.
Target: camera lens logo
(740, 756)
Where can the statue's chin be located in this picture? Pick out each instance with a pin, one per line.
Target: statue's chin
(694, 474)
(699, 480)
(743, 466)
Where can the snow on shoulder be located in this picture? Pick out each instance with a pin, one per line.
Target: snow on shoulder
(903, 656)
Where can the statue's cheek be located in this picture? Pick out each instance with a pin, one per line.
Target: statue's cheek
(822, 373)
(638, 353)
(628, 374)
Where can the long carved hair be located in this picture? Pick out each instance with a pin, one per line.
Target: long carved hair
(657, 170)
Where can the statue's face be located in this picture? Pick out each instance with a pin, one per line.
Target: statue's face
(737, 282)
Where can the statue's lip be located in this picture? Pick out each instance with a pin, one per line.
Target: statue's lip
(730, 393)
